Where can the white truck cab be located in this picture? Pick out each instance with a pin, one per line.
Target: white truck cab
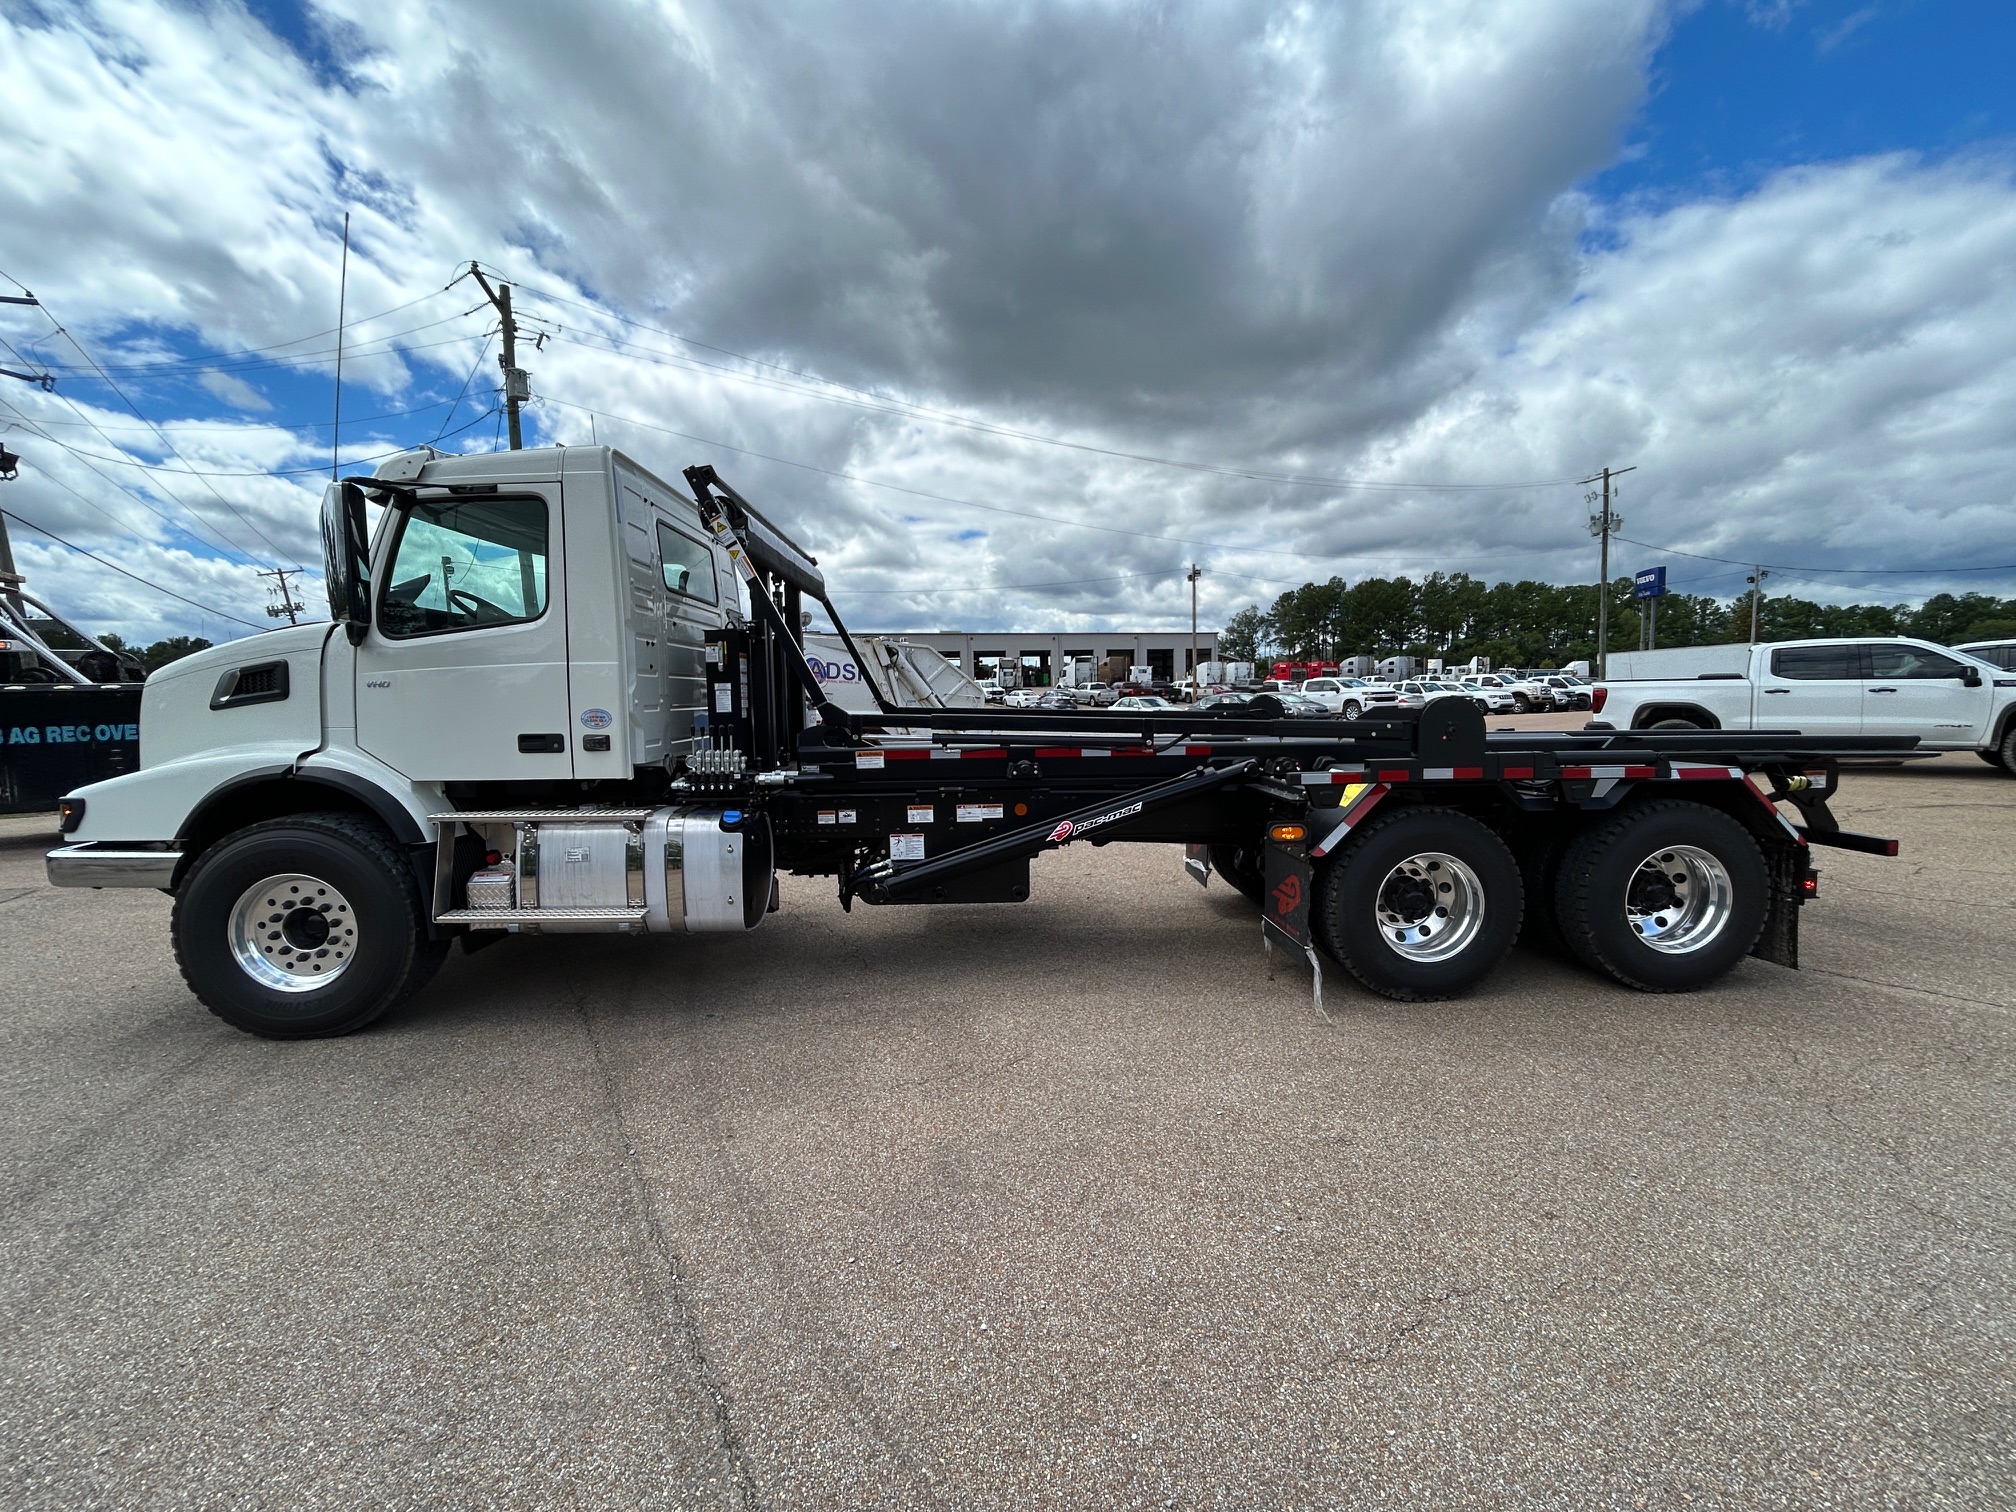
(475, 663)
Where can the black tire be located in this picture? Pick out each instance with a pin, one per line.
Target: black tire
(1521, 704)
(1994, 759)
(1351, 710)
(1243, 869)
(2007, 749)
(1354, 889)
(356, 863)
(1600, 876)
(1673, 724)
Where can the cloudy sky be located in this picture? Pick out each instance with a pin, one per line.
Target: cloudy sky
(1011, 311)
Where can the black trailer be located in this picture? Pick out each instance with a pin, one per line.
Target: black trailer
(1412, 849)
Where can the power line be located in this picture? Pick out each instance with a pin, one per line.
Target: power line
(34, 428)
(908, 409)
(63, 331)
(101, 561)
(1005, 587)
(1841, 571)
(262, 472)
(1024, 514)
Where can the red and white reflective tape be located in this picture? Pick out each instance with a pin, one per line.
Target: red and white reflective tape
(1335, 777)
(1691, 773)
(1451, 774)
(1598, 773)
(1354, 812)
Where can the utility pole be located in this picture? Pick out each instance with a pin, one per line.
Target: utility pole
(284, 602)
(10, 580)
(1603, 526)
(1196, 675)
(517, 382)
(1756, 582)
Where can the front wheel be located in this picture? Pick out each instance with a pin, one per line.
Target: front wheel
(2006, 751)
(303, 927)
(1421, 904)
(1351, 710)
(1665, 896)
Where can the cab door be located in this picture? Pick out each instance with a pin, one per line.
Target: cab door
(1816, 690)
(1915, 690)
(463, 674)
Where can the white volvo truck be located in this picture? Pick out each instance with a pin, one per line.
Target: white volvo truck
(558, 694)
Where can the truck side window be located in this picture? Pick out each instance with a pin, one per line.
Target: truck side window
(1911, 663)
(1817, 663)
(688, 566)
(465, 564)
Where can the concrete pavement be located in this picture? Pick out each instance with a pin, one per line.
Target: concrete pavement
(1057, 1205)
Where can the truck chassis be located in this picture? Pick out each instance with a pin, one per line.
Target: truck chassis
(1413, 849)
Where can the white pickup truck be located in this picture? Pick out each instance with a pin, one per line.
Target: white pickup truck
(1949, 700)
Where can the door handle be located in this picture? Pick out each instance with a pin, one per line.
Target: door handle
(542, 745)
(1777, 690)
(1882, 690)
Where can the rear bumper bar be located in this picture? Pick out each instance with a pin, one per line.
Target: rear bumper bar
(110, 864)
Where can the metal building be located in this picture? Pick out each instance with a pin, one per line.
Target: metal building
(980, 653)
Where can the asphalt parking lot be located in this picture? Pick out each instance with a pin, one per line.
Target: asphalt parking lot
(1060, 1205)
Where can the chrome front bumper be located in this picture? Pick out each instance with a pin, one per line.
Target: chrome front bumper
(105, 863)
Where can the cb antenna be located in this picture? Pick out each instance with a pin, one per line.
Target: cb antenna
(342, 300)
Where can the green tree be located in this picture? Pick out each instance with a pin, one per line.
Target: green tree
(174, 648)
(1244, 636)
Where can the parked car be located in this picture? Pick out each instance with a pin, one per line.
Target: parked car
(1058, 699)
(2000, 654)
(1302, 706)
(1350, 697)
(1023, 698)
(1569, 692)
(1496, 699)
(1145, 703)
(992, 690)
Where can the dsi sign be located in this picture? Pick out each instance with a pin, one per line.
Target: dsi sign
(833, 671)
(1651, 583)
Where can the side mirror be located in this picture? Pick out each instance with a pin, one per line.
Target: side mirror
(346, 558)
(1970, 676)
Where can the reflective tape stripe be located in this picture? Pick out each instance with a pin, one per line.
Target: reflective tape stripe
(1334, 777)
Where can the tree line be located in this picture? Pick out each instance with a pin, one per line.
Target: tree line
(1455, 616)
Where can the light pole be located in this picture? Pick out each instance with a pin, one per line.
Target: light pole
(1196, 678)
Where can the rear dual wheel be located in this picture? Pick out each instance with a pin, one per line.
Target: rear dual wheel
(1421, 904)
(1664, 896)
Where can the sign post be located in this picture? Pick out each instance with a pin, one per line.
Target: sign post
(1650, 586)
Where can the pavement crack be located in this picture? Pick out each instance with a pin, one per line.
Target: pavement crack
(678, 1290)
(1948, 997)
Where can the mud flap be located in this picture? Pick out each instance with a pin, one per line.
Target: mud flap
(1284, 909)
(1778, 942)
(1197, 862)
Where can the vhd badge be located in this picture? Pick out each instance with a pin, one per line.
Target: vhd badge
(595, 719)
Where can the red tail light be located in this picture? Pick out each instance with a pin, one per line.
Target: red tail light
(1597, 698)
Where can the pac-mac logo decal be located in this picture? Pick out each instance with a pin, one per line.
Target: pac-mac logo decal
(1288, 896)
(1066, 829)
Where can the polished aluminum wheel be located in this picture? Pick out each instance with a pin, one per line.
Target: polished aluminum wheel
(1430, 907)
(1679, 899)
(293, 933)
